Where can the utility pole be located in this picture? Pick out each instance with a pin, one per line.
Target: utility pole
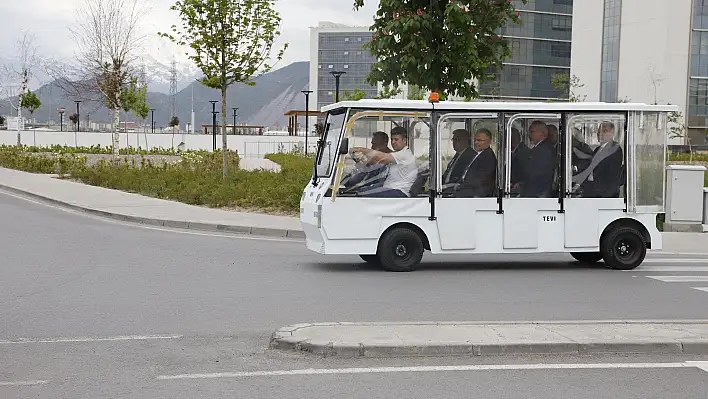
(61, 119)
(78, 115)
(152, 120)
(337, 75)
(213, 121)
(235, 109)
(307, 116)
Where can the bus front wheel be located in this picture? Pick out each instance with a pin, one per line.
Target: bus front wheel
(623, 248)
(400, 250)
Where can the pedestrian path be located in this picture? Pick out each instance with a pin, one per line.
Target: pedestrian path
(691, 272)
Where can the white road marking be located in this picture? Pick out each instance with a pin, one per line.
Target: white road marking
(674, 260)
(672, 269)
(701, 289)
(21, 383)
(148, 227)
(86, 339)
(680, 279)
(701, 365)
(485, 367)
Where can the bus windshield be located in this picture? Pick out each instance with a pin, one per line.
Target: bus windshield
(328, 153)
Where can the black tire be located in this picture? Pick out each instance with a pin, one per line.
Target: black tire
(370, 259)
(623, 248)
(400, 250)
(587, 257)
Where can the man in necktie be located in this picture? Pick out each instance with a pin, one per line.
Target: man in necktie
(462, 144)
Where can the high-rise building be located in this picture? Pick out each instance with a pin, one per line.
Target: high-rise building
(650, 51)
(541, 49)
(337, 47)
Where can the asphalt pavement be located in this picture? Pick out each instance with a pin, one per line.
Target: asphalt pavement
(98, 308)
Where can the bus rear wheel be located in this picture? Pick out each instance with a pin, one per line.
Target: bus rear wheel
(400, 250)
(587, 257)
(623, 248)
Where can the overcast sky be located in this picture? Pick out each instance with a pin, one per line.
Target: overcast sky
(49, 20)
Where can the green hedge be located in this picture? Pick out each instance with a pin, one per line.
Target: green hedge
(97, 149)
(196, 179)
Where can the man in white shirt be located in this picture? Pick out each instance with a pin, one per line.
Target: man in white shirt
(403, 170)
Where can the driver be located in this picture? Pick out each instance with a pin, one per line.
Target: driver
(368, 176)
(403, 170)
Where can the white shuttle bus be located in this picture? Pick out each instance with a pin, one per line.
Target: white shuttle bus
(393, 178)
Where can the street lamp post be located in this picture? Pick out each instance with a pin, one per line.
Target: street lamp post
(78, 115)
(307, 116)
(213, 121)
(235, 109)
(152, 120)
(61, 119)
(337, 75)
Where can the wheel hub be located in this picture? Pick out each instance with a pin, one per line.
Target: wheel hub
(624, 248)
(401, 250)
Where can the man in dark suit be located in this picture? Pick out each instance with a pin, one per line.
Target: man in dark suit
(540, 167)
(462, 144)
(603, 177)
(480, 176)
(520, 154)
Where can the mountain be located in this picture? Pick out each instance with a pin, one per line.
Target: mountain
(159, 73)
(263, 104)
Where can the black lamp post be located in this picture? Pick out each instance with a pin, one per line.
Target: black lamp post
(213, 121)
(61, 119)
(337, 75)
(307, 116)
(78, 117)
(235, 109)
(152, 120)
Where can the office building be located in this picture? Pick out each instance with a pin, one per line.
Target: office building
(337, 47)
(645, 51)
(540, 47)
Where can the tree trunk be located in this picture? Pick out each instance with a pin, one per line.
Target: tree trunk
(224, 146)
(116, 136)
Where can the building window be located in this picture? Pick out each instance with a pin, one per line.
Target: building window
(346, 66)
(346, 39)
(609, 78)
(330, 66)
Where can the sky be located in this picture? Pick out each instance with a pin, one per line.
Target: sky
(49, 20)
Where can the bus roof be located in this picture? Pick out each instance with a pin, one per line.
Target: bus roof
(488, 106)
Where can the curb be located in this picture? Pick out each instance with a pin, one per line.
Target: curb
(180, 224)
(283, 339)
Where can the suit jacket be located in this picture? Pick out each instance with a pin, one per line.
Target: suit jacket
(519, 158)
(480, 178)
(539, 170)
(457, 165)
(607, 176)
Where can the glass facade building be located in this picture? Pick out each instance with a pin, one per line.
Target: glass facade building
(540, 48)
(697, 109)
(343, 51)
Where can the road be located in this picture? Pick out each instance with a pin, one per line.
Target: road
(97, 308)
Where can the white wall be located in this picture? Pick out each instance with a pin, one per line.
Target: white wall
(247, 146)
(586, 49)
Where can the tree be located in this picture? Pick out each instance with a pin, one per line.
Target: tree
(388, 92)
(568, 85)
(440, 45)
(108, 39)
(74, 118)
(231, 41)
(30, 102)
(415, 93)
(356, 95)
(174, 121)
(22, 71)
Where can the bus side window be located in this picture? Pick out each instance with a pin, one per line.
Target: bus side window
(388, 158)
(596, 156)
(469, 148)
(534, 172)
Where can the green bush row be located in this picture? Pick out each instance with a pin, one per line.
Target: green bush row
(196, 179)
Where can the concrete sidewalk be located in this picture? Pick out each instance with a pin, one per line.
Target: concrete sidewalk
(494, 338)
(130, 207)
